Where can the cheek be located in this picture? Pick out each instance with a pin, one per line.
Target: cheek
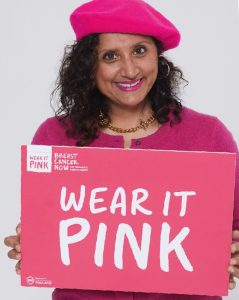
(104, 75)
(153, 68)
(152, 74)
(149, 67)
(103, 79)
(98, 77)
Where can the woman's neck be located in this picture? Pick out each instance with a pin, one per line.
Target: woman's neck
(127, 117)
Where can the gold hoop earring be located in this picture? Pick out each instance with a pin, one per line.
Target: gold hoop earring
(168, 70)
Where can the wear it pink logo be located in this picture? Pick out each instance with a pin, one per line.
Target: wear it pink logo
(39, 159)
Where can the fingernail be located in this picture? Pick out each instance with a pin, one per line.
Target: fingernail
(18, 257)
(18, 248)
(233, 248)
(18, 272)
(18, 229)
(231, 269)
(231, 285)
(233, 262)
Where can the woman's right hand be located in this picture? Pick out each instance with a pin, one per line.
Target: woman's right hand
(14, 243)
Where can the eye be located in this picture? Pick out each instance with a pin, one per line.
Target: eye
(140, 50)
(110, 56)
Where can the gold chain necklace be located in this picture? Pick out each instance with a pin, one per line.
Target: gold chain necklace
(142, 125)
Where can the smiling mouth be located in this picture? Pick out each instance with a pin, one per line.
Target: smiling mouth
(130, 85)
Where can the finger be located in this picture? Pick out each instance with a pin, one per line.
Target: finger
(18, 229)
(12, 241)
(13, 254)
(232, 283)
(235, 247)
(234, 260)
(234, 271)
(18, 268)
(235, 235)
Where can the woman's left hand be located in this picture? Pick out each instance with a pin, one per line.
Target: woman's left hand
(234, 263)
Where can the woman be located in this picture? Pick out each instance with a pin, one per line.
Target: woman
(117, 90)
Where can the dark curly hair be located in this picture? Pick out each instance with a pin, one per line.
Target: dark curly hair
(81, 102)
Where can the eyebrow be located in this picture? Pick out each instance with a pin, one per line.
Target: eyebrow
(135, 45)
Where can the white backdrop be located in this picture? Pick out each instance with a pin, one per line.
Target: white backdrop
(33, 35)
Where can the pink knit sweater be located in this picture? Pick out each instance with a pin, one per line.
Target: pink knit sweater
(196, 132)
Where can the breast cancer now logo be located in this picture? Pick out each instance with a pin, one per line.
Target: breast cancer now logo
(39, 159)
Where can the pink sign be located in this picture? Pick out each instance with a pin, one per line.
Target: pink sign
(126, 220)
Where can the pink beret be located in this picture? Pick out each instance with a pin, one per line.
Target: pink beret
(123, 16)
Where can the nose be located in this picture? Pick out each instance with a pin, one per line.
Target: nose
(129, 67)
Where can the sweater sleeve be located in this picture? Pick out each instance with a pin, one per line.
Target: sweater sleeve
(41, 135)
(52, 132)
(222, 141)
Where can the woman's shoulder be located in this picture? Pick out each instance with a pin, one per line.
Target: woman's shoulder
(208, 128)
(191, 115)
(52, 132)
(195, 119)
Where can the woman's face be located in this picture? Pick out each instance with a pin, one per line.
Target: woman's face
(127, 68)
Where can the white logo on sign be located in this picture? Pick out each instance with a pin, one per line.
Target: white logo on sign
(37, 280)
(39, 159)
(30, 280)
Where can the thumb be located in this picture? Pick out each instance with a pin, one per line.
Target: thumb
(18, 229)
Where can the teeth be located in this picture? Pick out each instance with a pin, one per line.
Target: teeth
(127, 85)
